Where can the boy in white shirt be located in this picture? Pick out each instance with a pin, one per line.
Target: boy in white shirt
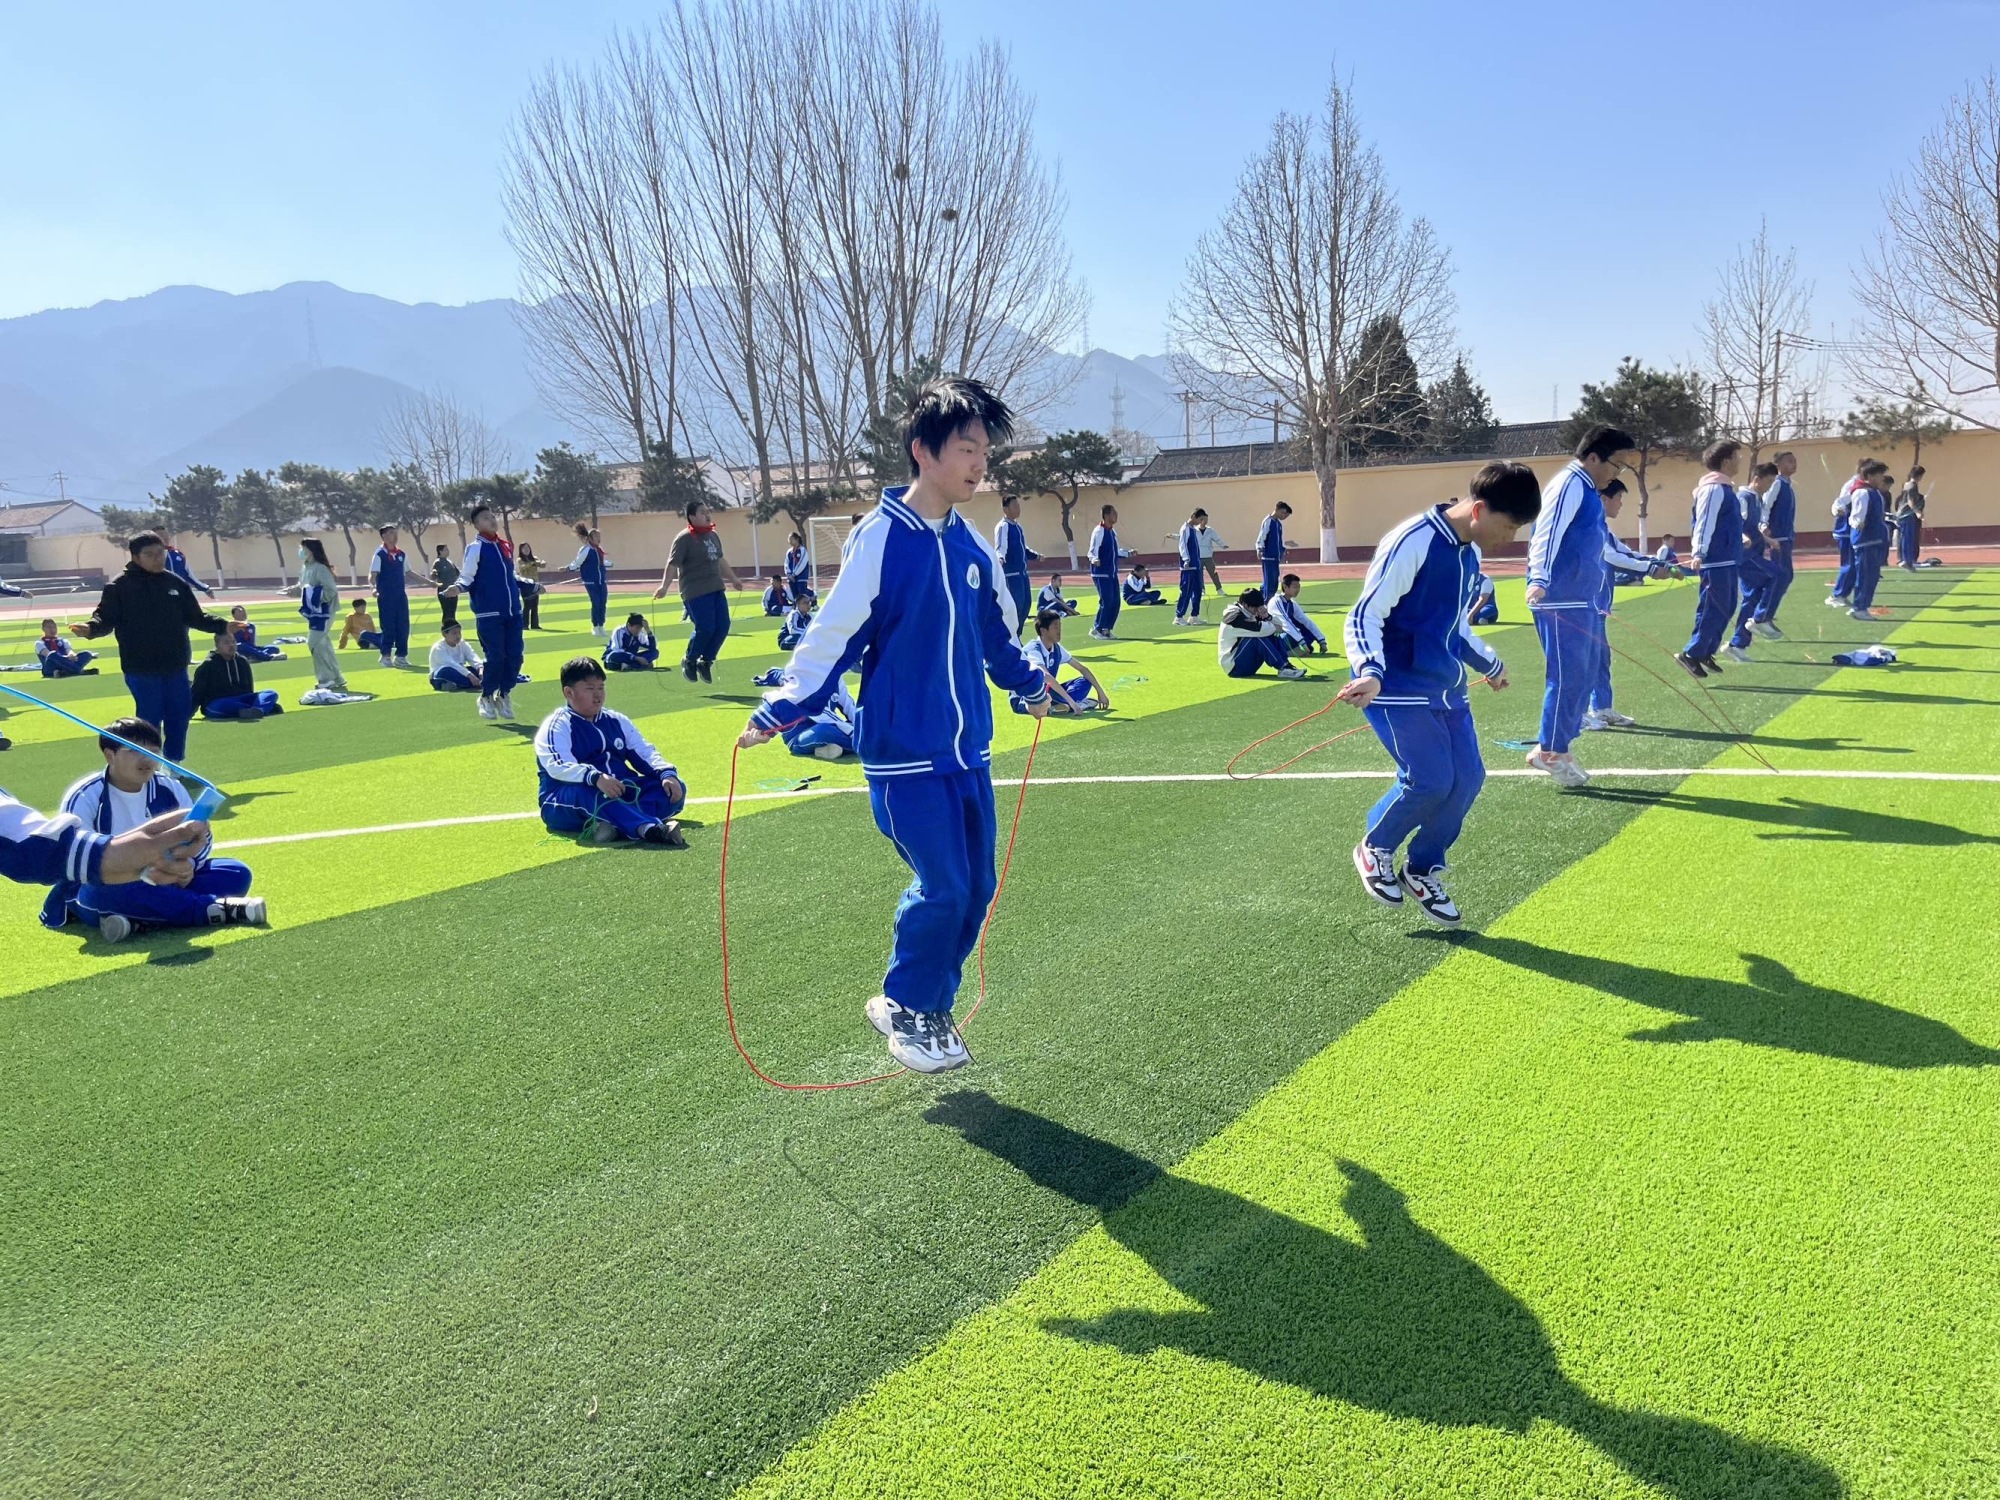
(455, 666)
(1301, 634)
(1078, 695)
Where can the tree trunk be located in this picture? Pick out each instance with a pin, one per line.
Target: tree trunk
(278, 546)
(353, 559)
(1329, 483)
(1068, 535)
(215, 546)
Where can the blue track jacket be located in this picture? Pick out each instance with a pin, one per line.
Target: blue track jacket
(1409, 626)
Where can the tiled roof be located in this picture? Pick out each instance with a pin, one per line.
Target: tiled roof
(1242, 460)
(15, 517)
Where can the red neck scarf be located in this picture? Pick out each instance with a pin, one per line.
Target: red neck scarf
(700, 530)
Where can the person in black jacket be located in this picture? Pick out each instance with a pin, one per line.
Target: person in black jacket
(224, 688)
(151, 610)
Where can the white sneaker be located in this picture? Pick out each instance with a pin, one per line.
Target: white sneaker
(402, 661)
(1737, 653)
(505, 703)
(827, 752)
(385, 660)
(1612, 719)
(922, 1041)
(114, 928)
(1563, 768)
(1430, 894)
(1767, 630)
(1836, 601)
(486, 708)
(237, 911)
(1595, 720)
(1100, 635)
(1293, 674)
(1377, 869)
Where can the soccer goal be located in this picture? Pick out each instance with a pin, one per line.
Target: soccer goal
(825, 536)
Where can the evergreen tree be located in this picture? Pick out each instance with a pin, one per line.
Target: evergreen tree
(1888, 424)
(1663, 410)
(1384, 396)
(1061, 466)
(668, 482)
(257, 505)
(568, 486)
(197, 500)
(883, 457)
(333, 499)
(1461, 413)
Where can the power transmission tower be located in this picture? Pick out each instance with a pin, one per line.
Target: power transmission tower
(1117, 406)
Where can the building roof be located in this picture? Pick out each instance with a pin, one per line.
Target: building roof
(35, 517)
(1244, 460)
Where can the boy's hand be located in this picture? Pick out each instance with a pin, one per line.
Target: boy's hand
(164, 845)
(675, 787)
(1041, 710)
(752, 737)
(80, 629)
(1360, 692)
(659, 593)
(1498, 680)
(1536, 594)
(609, 785)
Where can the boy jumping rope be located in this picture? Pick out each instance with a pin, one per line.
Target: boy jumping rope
(1409, 644)
(921, 605)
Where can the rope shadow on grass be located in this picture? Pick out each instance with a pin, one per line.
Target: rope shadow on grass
(1864, 695)
(1769, 1007)
(1756, 737)
(1816, 822)
(1399, 1323)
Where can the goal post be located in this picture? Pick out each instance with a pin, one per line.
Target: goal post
(825, 536)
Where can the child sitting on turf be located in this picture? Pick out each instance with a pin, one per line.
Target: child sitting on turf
(455, 666)
(597, 771)
(359, 627)
(57, 658)
(246, 636)
(1046, 651)
(828, 734)
(632, 647)
(1139, 586)
(776, 600)
(1485, 608)
(127, 793)
(1052, 597)
(224, 688)
(793, 628)
(1300, 633)
(1250, 639)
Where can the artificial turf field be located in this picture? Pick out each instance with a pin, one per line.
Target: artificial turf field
(1674, 1175)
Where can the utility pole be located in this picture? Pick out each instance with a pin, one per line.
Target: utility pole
(1187, 417)
(1277, 407)
(61, 489)
(1777, 363)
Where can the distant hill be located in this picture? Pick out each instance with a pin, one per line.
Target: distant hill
(120, 394)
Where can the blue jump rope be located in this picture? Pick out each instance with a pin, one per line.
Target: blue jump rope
(206, 806)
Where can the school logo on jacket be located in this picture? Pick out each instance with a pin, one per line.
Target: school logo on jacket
(618, 744)
(972, 575)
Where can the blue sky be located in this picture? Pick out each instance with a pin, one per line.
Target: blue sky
(1589, 165)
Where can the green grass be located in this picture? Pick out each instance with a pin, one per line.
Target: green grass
(1674, 1179)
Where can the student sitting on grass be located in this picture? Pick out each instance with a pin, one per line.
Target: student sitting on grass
(128, 794)
(57, 657)
(246, 636)
(1485, 608)
(1139, 586)
(1080, 694)
(597, 771)
(1052, 597)
(455, 666)
(1250, 639)
(1301, 634)
(225, 689)
(776, 600)
(792, 629)
(632, 647)
(828, 734)
(359, 627)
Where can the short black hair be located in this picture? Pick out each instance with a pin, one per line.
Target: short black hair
(1780, 457)
(940, 409)
(796, 537)
(581, 669)
(1602, 440)
(440, 549)
(1105, 509)
(1287, 580)
(458, 625)
(688, 510)
(1872, 467)
(137, 730)
(1765, 471)
(1917, 472)
(1511, 489)
(1251, 598)
(635, 619)
(385, 528)
(1047, 618)
(1720, 452)
(472, 515)
(1616, 487)
(142, 541)
(1199, 514)
(1282, 506)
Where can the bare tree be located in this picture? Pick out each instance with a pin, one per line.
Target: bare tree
(598, 243)
(1311, 252)
(1930, 289)
(1760, 303)
(442, 439)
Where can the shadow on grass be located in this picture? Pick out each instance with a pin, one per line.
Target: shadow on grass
(1815, 821)
(1769, 1007)
(1784, 742)
(1397, 1322)
(240, 800)
(1862, 695)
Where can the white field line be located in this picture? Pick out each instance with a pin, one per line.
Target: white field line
(1627, 773)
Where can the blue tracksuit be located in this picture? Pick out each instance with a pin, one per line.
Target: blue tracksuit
(1868, 520)
(1138, 591)
(1271, 553)
(90, 803)
(35, 850)
(590, 570)
(177, 564)
(792, 629)
(58, 660)
(1599, 697)
(1010, 544)
(924, 613)
(1843, 536)
(1048, 598)
(1051, 659)
(1188, 605)
(798, 571)
(833, 725)
(487, 577)
(1754, 572)
(1408, 630)
(572, 751)
(1298, 626)
(776, 600)
(246, 643)
(1781, 513)
(1487, 610)
(390, 570)
(1568, 553)
(630, 650)
(316, 604)
(1104, 555)
(1715, 536)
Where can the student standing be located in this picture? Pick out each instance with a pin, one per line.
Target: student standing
(1910, 521)
(1754, 573)
(704, 574)
(1271, 547)
(1715, 548)
(1598, 712)
(177, 564)
(528, 569)
(443, 575)
(150, 611)
(1105, 554)
(1868, 520)
(1409, 646)
(1781, 512)
(1211, 542)
(798, 566)
(596, 769)
(225, 687)
(319, 597)
(1187, 605)
(487, 576)
(1010, 543)
(1843, 537)
(389, 576)
(1568, 552)
(593, 570)
(921, 606)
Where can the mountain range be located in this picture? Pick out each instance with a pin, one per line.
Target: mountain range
(117, 396)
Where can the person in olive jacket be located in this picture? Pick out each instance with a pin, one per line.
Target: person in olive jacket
(151, 610)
